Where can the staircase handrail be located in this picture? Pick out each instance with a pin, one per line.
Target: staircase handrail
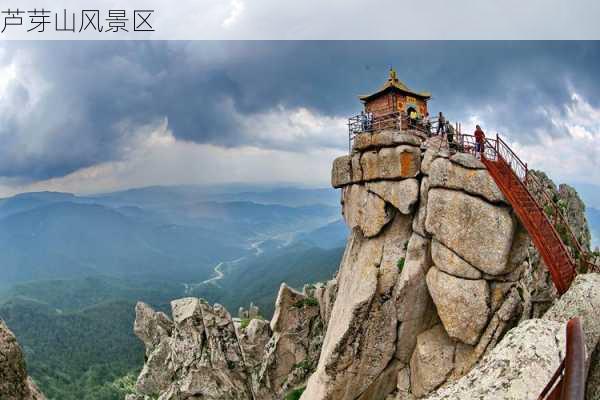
(497, 148)
(568, 382)
(531, 181)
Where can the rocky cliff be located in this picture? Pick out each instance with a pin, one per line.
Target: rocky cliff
(433, 273)
(436, 271)
(202, 352)
(15, 384)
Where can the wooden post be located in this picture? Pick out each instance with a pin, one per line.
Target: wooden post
(349, 137)
(497, 146)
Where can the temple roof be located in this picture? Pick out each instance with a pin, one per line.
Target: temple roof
(393, 83)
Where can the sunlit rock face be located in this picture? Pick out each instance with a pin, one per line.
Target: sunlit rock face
(477, 231)
(462, 304)
(528, 355)
(517, 368)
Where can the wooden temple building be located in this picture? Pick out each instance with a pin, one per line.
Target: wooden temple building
(395, 97)
(389, 107)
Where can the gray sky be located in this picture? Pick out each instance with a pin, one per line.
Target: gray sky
(95, 116)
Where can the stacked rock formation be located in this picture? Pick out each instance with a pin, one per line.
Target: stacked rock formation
(15, 384)
(428, 283)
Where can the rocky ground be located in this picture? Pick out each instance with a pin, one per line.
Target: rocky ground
(15, 384)
(440, 294)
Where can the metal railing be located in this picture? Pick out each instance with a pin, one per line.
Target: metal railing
(363, 123)
(545, 198)
(497, 149)
(568, 382)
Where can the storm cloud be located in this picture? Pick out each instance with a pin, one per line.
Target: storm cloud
(68, 106)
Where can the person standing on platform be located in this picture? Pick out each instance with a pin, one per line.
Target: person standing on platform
(479, 141)
(441, 128)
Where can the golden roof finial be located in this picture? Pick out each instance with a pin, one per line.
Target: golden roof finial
(393, 76)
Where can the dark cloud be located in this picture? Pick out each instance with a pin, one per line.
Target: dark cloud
(77, 104)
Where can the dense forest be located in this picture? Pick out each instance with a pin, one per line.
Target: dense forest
(76, 355)
(78, 334)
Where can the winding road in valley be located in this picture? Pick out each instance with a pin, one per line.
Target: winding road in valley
(254, 246)
(218, 269)
(218, 274)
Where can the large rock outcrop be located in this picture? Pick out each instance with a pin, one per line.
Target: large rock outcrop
(524, 360)
(517, 368)
(461, 258)
(479, 232)
(201, 356)
(15, 384)
(361, 335)
(467, 275)
(462, 304)
(292, 352)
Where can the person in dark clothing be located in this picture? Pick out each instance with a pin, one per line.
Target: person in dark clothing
(479, 140)
(450, 136)
(363, 121)
(369, 121)
(441, 124)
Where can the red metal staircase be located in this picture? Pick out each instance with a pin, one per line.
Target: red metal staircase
(549, 230)
(538, 212)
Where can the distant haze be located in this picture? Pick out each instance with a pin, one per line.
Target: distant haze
(178, 233)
